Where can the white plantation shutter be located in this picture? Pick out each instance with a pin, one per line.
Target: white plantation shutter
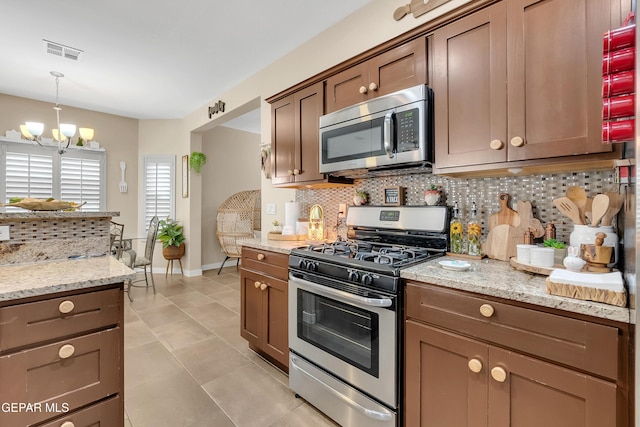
(40, 172)
(159, 193)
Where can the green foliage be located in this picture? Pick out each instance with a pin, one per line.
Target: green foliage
(197, 160)
(553, 243)
(170, 233)
(80, 142)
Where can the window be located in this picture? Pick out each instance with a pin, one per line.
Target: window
(40, 172)
(159, 193)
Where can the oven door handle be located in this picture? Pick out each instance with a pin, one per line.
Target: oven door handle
(356, 299)
(376, 415)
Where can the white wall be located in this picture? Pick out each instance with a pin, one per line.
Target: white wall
(365, 29)
(233, 165)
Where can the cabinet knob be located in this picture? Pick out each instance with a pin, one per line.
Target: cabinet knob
(475, 365)
(487, 310)
(256, 284)
(517, 141)
(363, 89)
(496, 144)
(289, 172)
(67, 424)
(66, 306)
(263, 286)
(499, 374)
(260, 257)
(373, 86)
(296, 171)
(66, 351)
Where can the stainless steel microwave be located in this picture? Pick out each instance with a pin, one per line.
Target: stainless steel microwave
(390, 131)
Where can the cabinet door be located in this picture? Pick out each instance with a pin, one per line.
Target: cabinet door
(343, 89)
(399, 68)
(309, 104)
(274, 307)
(440, 388)
(283, 141)
(536, 393)
(251, 307)
(469, 84)
(554, 76)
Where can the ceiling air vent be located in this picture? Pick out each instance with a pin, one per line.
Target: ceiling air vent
(61, 50)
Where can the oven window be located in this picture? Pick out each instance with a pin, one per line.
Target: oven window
(347, 332)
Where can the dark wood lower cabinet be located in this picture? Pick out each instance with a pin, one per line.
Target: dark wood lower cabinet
(466, 366)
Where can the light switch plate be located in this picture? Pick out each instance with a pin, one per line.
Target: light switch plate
(271, 208)
(342, 210)
(4, 232)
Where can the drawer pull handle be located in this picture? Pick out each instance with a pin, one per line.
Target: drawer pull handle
(66, 351)
(67, 424)
(373, 86)
(256, 284)
(487, 310)
(499, 374)
(260, 257)
(263, 286)
(363, 89)
(475, 365)
(66, 306)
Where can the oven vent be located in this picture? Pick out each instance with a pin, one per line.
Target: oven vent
(57, 49)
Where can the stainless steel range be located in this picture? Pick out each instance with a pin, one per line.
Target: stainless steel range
(345, 311)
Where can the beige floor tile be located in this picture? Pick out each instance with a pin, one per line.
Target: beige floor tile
(137, 334)
(157, 317)
(220, 359)
(213, 315)
(175, 400)
(228, 297)
(147, 362)
(207, 287)
(144, 299)
(130, 315)
(182, 333)
(189, 298)
(226, 279)
(230, 332)
(268, 368)
(173, 288)
(250, 387)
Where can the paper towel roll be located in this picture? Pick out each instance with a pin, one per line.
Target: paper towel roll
(291, 213)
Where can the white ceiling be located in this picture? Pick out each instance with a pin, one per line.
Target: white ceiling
(151, 59)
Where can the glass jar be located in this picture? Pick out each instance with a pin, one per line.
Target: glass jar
(584, 234)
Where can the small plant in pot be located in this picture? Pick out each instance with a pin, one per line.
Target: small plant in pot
(360, 198)
(559, 249)
(197, 160)
(171, 234)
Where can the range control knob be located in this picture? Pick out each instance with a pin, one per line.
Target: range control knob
(367, 279)
(354, 276)
(312, 266)
(302, 264)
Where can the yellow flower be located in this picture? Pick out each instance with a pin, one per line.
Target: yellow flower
(456, 228)
(474, 229)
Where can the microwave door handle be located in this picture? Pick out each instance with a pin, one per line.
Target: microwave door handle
(388, 132)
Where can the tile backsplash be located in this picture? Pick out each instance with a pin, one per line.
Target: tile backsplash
(540, 190)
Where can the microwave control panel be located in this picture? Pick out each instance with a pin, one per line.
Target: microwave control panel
(408, 130)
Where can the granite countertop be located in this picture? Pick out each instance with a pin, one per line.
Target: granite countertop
(42, 278)
(486, 277)
(56, 214)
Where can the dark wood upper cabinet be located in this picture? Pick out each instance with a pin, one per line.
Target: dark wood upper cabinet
(294, 136)
(520, 80)
(396, 69)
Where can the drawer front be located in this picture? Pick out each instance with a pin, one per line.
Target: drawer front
(272, 263)
(66, 374)
(581, 344)
(109, 413)
(49, 320)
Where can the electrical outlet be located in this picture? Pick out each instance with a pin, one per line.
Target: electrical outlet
(271, 208)
(4, 232)
(342, 210)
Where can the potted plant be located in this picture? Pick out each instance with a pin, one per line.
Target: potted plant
(197, 160)
(171, 234)
(360, 198)
(559, 250)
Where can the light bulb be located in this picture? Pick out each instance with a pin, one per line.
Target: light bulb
(86, 133)
(55, 135)
(35, 128)
(67, 129)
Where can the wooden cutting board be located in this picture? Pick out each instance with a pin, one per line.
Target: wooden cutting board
(502, 241)
(505, 215)
(527, 221)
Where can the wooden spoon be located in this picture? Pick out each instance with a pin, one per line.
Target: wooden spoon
(587, 209)
(599, 208)
(616, 201)
(567, 207)
(579, 197)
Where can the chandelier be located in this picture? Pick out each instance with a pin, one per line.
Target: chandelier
(33, 130)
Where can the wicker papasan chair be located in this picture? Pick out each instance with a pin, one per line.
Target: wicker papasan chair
(237, 219)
